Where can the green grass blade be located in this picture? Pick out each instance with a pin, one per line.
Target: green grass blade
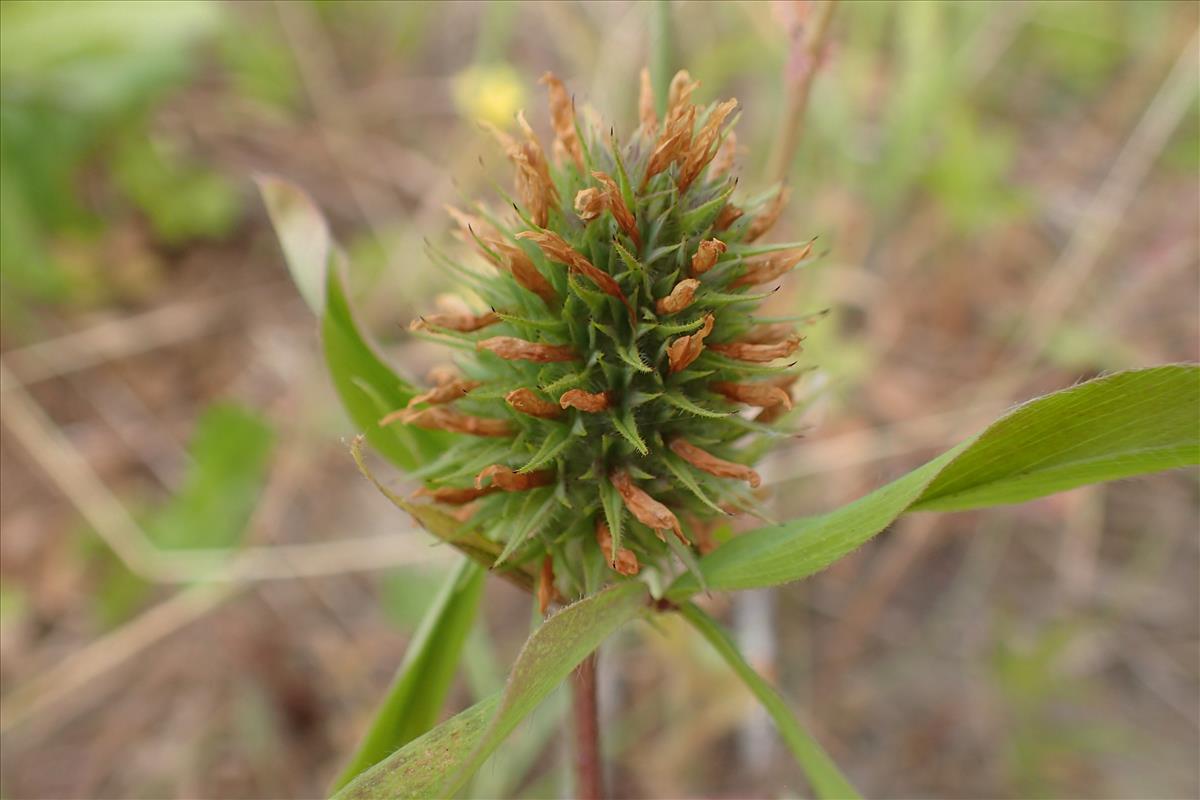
(1121, 425)
(826, 779)
(439, 763)
(547, 658)
(414, 701)
(415, 771)
(367, 386)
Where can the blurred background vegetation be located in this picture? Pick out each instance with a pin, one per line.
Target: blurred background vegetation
(1009, 195)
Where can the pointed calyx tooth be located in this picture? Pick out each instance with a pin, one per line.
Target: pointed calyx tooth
(455, 496)
(767, 218)
(511, 348)
(771, 266)
(463, 323)
(645, 509)
(623, 560)
(686, 349)
(764, 394)
(476, 230)
(446, 392)
(534, 185)
(646, 113)
(704, 146)
(590, 402)
(706, 255)
(729, 215)
(558, 250)
(725, 158)
(562, 117)
(506, 480)
(527, 401)
(707, 462)
(525, 273)
(545, 586)
(680, 297)
(440, 418)
(759, 353)
(615, 203)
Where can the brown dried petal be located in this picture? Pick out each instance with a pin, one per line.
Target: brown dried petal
(589, 203)
(706, 255)
(590, 402)
(616, 205)
(525, 273)
(464, 323)
(562, 117)
(768, 216)
(545, 587)
(673, 144)
(529, 402)
(446, 392)
(679, 94)
(680, 297)
(454, 495)
(764, 394)
(729, 215)
(759, 353)
(707, 462)
(440, 418)
(645, 508)
(704, 146)
(509, 481)
(442, 374)
(784, 383)
(772, 266)
(646, 113)
(533, 183)
(624, 561)
(686, 349)
(557, 249)
(511, 348)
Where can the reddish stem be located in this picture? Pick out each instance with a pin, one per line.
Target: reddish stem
(589, 771)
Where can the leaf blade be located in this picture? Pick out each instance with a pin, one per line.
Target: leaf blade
(440, 762)
(367, 386)
(549, 655)
(974, 474)
(826, 779)
(414, 700)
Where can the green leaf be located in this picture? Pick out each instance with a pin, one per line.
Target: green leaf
(418, 769)
(1125, 424)
(303, 235)
(414, 700)
(822, 773)
(367, 386)
(441, 761)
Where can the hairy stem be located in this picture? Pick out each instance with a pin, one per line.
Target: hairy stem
(589, 771)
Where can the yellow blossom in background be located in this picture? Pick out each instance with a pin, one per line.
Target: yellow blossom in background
(489, 92)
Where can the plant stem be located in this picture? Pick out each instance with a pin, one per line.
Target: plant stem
(589, 771)
(803, 64)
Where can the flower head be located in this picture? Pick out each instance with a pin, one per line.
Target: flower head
(605, 391)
